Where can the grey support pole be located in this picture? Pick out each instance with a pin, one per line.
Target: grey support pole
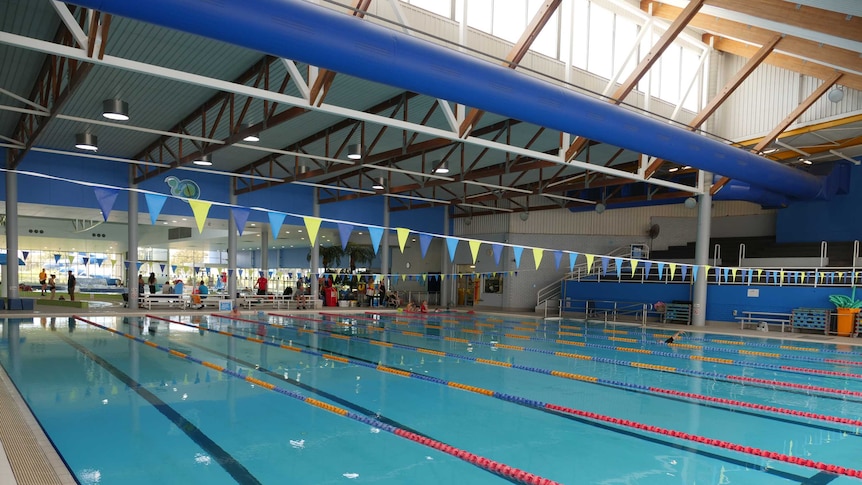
(132, 254)
(446, 283)
(701, 253)
(11, 281)
(384, 251)
(231, 244)
(315, 251)
(264, 250)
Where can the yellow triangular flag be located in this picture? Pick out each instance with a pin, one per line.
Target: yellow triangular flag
(733, 273)
(759, 273)
(402, 238)
(634, 263)
(589, 262)
(424, 276)
(474, 248)
(537, 256)
(780, 276)
(312, 225)
(672, 270)
(822, 276)
(200, 208)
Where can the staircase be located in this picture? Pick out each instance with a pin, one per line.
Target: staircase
(548, 297)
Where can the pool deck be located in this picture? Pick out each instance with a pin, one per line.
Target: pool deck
(27, 456)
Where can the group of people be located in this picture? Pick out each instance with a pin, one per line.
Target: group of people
(49, 284)
(412, 308)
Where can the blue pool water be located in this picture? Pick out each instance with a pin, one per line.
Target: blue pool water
(315, 399)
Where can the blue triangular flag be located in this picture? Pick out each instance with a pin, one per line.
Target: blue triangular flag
(139, 265)
(558, 256)
(106, 198)
(498, 251)
(684, 269)
(647, 268)
(661, 271)
(240, 217)
(573, 259)
(618, 264)
(163, 267)
(376, 234)
(605, 262)
(518, 250)
(173, 268)
(694, 272)
(424, 242)
(344, 231)
(452, 245)
(85, 260)
(155, 202)
(275, 221)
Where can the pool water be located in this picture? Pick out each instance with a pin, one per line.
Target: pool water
(430, 399)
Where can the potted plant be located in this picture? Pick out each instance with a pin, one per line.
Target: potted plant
(847, 307)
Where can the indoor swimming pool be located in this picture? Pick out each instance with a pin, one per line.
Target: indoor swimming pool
(396, 398)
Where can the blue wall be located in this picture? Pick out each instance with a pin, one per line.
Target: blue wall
(721, 300)
(838, 219)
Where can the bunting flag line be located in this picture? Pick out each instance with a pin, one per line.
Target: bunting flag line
(474, 248)
(403, 234)
(276, 219)
(155, 202)
(424, 242)
(200, 209)
(376, 234)
(312, 225)
(573, 259)
(498, 251)
(518, 250)
(106, 198)
(344, 231)
(452, 246)
(240, 217)
(537, 256)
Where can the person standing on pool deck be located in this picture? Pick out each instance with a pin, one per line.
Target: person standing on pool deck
(72, 282)
(43, 280)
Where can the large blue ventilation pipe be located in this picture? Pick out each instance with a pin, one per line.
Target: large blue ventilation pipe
(309, 33)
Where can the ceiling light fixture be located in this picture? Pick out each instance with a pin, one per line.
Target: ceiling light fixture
(354, 152)
(203, 161)
(379, 184)
(600, 208)
(251, 137)
(836, 94)
(115, 109)
(442, 168)
(87, 141)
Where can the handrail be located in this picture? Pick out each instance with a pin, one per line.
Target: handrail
(741, 253)
(639, 310)
(716, 254)
(823, 256)
(553, 290)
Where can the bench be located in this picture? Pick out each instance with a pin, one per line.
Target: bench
(163, 300)
(770, 318)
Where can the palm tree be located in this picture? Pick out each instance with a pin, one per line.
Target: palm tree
(330, 256)
(359, 254)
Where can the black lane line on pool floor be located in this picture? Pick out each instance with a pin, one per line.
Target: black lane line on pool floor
(708, 454)
(222, 457)
(821, 478)
(343, 402)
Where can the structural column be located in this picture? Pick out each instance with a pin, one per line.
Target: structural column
(315, 249)
(264, 250)
(384, 251)
(132, 252)
(10, 279)
(701, 253)
(445, 282)
(231, 243)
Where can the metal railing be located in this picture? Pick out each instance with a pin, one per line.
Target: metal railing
(611, 310)
(553, 291)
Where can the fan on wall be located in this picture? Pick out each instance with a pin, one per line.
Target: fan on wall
(653, 232)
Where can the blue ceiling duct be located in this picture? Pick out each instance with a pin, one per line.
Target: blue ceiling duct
(309, 33)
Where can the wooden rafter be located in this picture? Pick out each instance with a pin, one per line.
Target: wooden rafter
(722, 95)
(809, 49)
(519, 50)
(783, 61)
(784, 124)
(680, 22)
